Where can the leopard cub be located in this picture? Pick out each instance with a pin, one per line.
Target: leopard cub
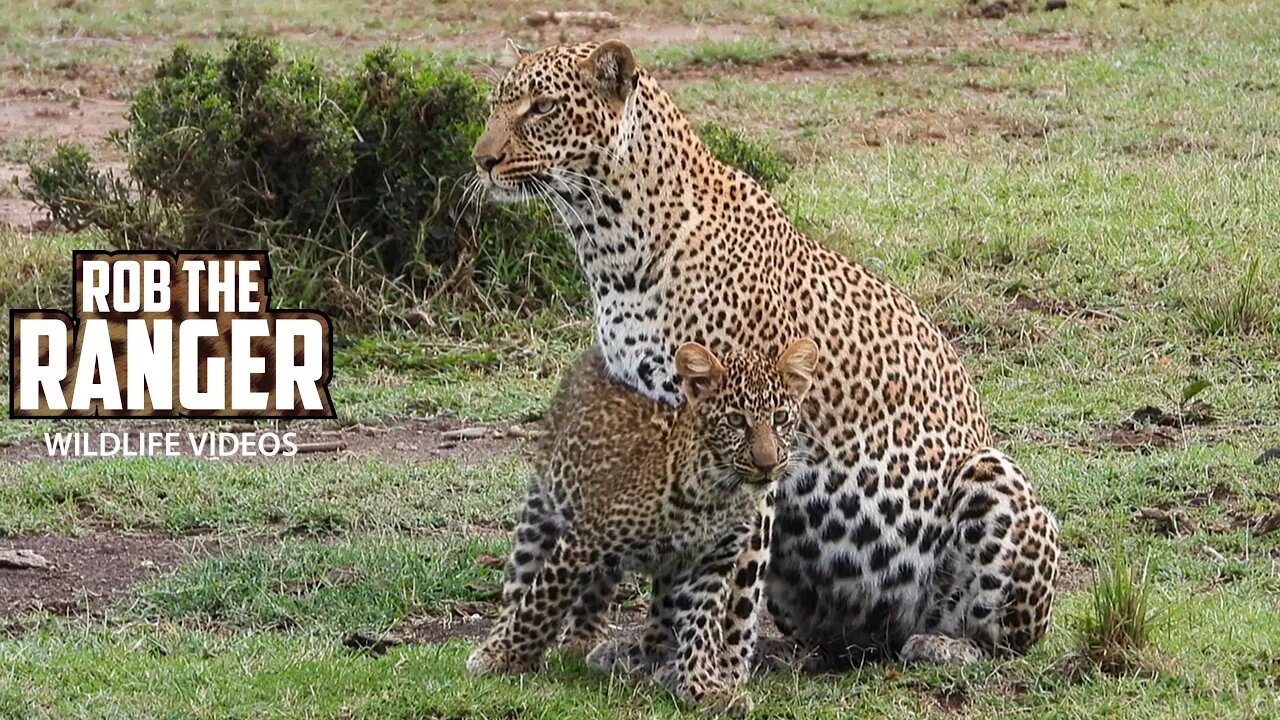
(626, 484)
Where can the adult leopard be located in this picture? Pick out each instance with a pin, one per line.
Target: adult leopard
(904, 532)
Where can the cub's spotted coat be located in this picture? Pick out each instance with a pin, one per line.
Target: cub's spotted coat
(627, 484)
(903, 521)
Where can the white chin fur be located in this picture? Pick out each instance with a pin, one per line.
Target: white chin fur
(504, 192)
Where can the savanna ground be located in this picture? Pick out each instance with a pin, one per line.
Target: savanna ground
(1084, 199)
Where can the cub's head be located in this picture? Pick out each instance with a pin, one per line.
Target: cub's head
(749, 406)
(552, 116)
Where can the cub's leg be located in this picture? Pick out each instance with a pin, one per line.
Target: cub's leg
(531, 620)
(655, 646)
(745, 596)
(993, 589)
(701, 671)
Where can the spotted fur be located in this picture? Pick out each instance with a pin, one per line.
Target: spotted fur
(902, 520)
(685, 496)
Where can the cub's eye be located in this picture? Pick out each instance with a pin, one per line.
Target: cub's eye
(737, 420)
(542, 106)
(782, 417)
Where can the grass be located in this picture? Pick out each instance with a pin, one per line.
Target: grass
(302, 498)
(362, 584)
(1116, 632)
(1242, 308)
(1083, 199)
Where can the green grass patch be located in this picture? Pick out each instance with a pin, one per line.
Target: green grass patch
(366, 584)
(1224, 659)
(303, 498)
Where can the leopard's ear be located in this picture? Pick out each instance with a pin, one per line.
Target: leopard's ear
(511, 55)
(612, 69)
(700, 371)
(797, 363)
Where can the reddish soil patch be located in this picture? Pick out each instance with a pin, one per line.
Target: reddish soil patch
(86, 120)
(409, 440)
(89, 570)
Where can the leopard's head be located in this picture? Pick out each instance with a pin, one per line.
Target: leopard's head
(552, 117)
(748, 407)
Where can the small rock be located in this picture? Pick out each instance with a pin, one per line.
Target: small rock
(23, 560)
(467, 433)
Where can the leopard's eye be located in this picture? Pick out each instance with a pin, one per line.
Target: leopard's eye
(781, 417)
(542, 106)
(737, 420)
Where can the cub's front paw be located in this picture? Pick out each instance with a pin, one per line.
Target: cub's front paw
(487, 660)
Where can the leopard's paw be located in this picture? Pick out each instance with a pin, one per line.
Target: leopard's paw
(729, 701)
(939, 650)
(621, 657)
(706, 694)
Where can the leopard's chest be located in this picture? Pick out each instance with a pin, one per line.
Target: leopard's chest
(632, 336)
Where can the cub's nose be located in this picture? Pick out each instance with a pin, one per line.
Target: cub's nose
(764, 460)
(488, 162)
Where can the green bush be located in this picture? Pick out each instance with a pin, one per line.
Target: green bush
(357, 181)
(747, 154)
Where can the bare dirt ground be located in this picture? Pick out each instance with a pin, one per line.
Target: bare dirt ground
(84, 120)
(43, 121)
(88, 571)
(391, 440)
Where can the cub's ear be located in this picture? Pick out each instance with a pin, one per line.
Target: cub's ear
(797, 364)
(612, 68)
(700, 371)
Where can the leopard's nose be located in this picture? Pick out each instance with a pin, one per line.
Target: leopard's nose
(488, 162)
